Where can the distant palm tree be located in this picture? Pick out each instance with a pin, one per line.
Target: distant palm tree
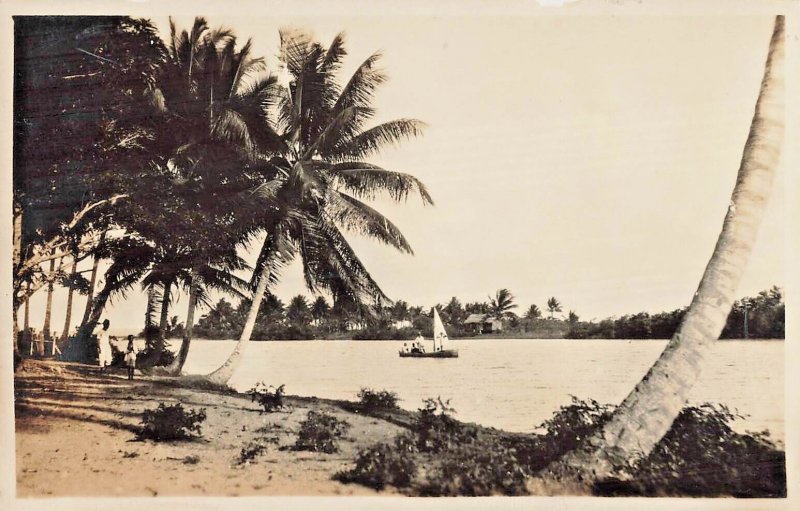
(533, 312)
(500, 306)
(572, 318)
(298, 310)
(553, 306)
(319, 309)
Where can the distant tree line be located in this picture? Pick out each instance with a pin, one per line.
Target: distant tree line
(758, 317)
(305, 319)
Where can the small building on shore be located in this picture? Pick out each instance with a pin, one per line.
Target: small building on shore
(483, 324)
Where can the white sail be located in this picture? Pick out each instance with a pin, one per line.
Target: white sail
(439, 333)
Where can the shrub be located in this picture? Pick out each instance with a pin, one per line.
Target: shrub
(476, 470)
(320, 433)
(254, 449)
(373, 400)
(171, 422)
(384, 464)
(702, 456)
(436, 430)
(562, 433)
(270, 401)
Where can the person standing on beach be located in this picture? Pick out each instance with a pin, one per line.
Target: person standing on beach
(103, 344)
(130, 357)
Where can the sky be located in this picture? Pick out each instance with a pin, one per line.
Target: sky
(586, 158)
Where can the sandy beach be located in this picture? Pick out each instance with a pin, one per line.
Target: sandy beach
(76, 436)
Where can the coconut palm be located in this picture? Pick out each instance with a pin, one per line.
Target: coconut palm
(533, 312)
(319, 309)
(649, 410)
(320, 179)
(553, 306)
(500, 306)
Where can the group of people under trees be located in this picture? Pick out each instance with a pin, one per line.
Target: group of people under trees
(105, 352)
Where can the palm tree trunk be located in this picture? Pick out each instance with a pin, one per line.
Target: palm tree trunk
(176, 367)
(48, 312)
(27, 323)
(647, 413)
(82, 351)
(92, 281)
(224, 373)
(164, 319)
(73, 271)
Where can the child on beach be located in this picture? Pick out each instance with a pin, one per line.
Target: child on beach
(130, 357)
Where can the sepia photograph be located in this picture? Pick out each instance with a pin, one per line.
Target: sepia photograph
(533, 252)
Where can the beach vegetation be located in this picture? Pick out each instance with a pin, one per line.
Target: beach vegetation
(320, 432)
(384, 464)
(377, 400)
(171, 422)
(270, 398)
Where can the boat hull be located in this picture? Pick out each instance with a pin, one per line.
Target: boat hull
(433, 354)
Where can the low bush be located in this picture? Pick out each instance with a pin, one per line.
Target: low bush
(436, 430)
(171, 423)
(320, 432)
(384, 465)
(254, 449)
(374, 400)
(702, 456)
(476, 470)
(568, 427)
(270, 398)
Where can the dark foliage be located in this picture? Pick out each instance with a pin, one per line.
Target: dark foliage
(436, 430)
(700, 456)
(320, 432)
(255, 449)
(384, 465)
(269, 397)
(171, 422)
(375, 400)
(476, 470)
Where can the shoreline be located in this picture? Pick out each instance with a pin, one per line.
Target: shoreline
(76, 436)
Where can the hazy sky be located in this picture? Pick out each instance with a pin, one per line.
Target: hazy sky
(590, 159)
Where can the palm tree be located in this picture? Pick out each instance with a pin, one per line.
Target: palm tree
(49, 308)
(572, 318)
(533, 312)
(319, 309)
(649, 410)
(553, 306)
(320, 179)
(500, 306)
(298, 310)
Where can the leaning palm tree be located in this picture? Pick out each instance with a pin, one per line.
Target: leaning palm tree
(320, 179)
(647, 413)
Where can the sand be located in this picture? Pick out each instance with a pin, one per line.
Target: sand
(76, 436)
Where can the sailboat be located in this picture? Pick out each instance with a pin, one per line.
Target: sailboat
(440, 335)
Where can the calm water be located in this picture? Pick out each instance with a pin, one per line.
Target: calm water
(506, 383)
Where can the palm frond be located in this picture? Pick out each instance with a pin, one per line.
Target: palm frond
(229, 125)
(366, 181)
(355, 216)
(372, 140)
